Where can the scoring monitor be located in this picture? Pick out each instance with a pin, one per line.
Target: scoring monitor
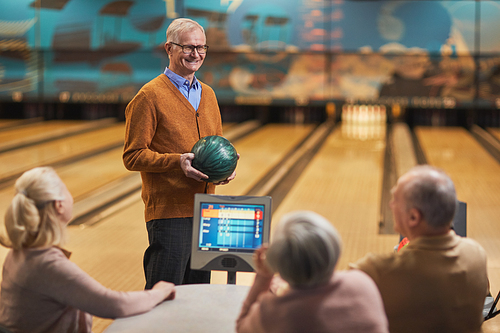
(227, 230)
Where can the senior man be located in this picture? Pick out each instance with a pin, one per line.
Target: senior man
(163, 122)
(438, 282)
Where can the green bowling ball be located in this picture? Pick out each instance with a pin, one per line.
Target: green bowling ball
(215, 156)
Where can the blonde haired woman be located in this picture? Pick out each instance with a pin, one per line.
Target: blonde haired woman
(41, 290)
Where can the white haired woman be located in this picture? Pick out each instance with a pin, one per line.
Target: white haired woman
(41, 290)
(304, 252)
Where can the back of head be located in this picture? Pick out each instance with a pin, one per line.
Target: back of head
(31, 219)
(180, 26)
(432, 192)
(305, 249)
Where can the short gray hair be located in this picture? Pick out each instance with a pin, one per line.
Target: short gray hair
(180, 26)
(31, 219)
(305, 249)
(432, 192)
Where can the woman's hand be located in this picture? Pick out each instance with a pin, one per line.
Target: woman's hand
(167, 287)
(261, 266)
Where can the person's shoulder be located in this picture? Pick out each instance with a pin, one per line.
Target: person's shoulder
(356, 284)
(375, 264)
(468, 242)
(149, 91)
(471, 245)
(45, 256)
(152, 85)
(354, 277)
(33, 262)
(374, 259)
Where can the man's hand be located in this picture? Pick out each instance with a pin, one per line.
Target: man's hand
(188, 169)
(228, 179)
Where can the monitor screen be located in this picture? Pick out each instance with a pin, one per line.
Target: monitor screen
(227, 230)
(460, 220)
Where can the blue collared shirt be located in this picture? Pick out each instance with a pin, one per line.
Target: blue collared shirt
(192, 93)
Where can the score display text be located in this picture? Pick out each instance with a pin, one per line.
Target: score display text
(231, 227)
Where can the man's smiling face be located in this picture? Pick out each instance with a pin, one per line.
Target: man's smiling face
(182, 64)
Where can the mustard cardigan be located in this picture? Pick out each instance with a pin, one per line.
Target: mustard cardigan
(161, 125)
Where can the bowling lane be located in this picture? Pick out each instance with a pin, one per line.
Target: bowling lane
(8, 122)
(19, 160)
(495, 132)
(227, 126)
(83, 177)
(260, 152)
(39, 130)
(477, 180)
(343, 183)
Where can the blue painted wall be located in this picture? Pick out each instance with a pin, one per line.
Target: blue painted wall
(444, 53)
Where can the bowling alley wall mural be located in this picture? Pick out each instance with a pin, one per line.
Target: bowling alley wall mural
(439, 54)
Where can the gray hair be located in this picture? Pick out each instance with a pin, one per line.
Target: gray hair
(432, 192)
(305, 249)
(180, 26)
(31, 219)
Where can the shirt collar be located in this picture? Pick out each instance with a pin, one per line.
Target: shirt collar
(179, 81)
(66, 253)
(442, 242)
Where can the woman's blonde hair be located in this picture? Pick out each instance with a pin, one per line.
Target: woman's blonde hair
(31, 219)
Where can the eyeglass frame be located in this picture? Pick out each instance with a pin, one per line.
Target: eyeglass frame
(194, 47)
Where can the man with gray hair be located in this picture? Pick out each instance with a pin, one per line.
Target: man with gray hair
(163, 121)
(438, 282)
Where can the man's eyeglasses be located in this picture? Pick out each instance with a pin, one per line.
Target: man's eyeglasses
(188, 49)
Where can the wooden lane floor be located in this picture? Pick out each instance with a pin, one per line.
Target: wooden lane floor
(343, 183)
(35, 129)
(16, 161)
(495, 132)
(260, 152)
(81, 178)
(477, 180)
(46, 130)
(4, 123)
(227, 126)
(117, 264)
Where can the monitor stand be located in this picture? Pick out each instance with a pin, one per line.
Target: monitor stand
(231, 277)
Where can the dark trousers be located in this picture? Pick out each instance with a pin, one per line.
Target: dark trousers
(168, 256)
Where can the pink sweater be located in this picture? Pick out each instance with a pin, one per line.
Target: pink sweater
(42, 291)
(349, 303)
